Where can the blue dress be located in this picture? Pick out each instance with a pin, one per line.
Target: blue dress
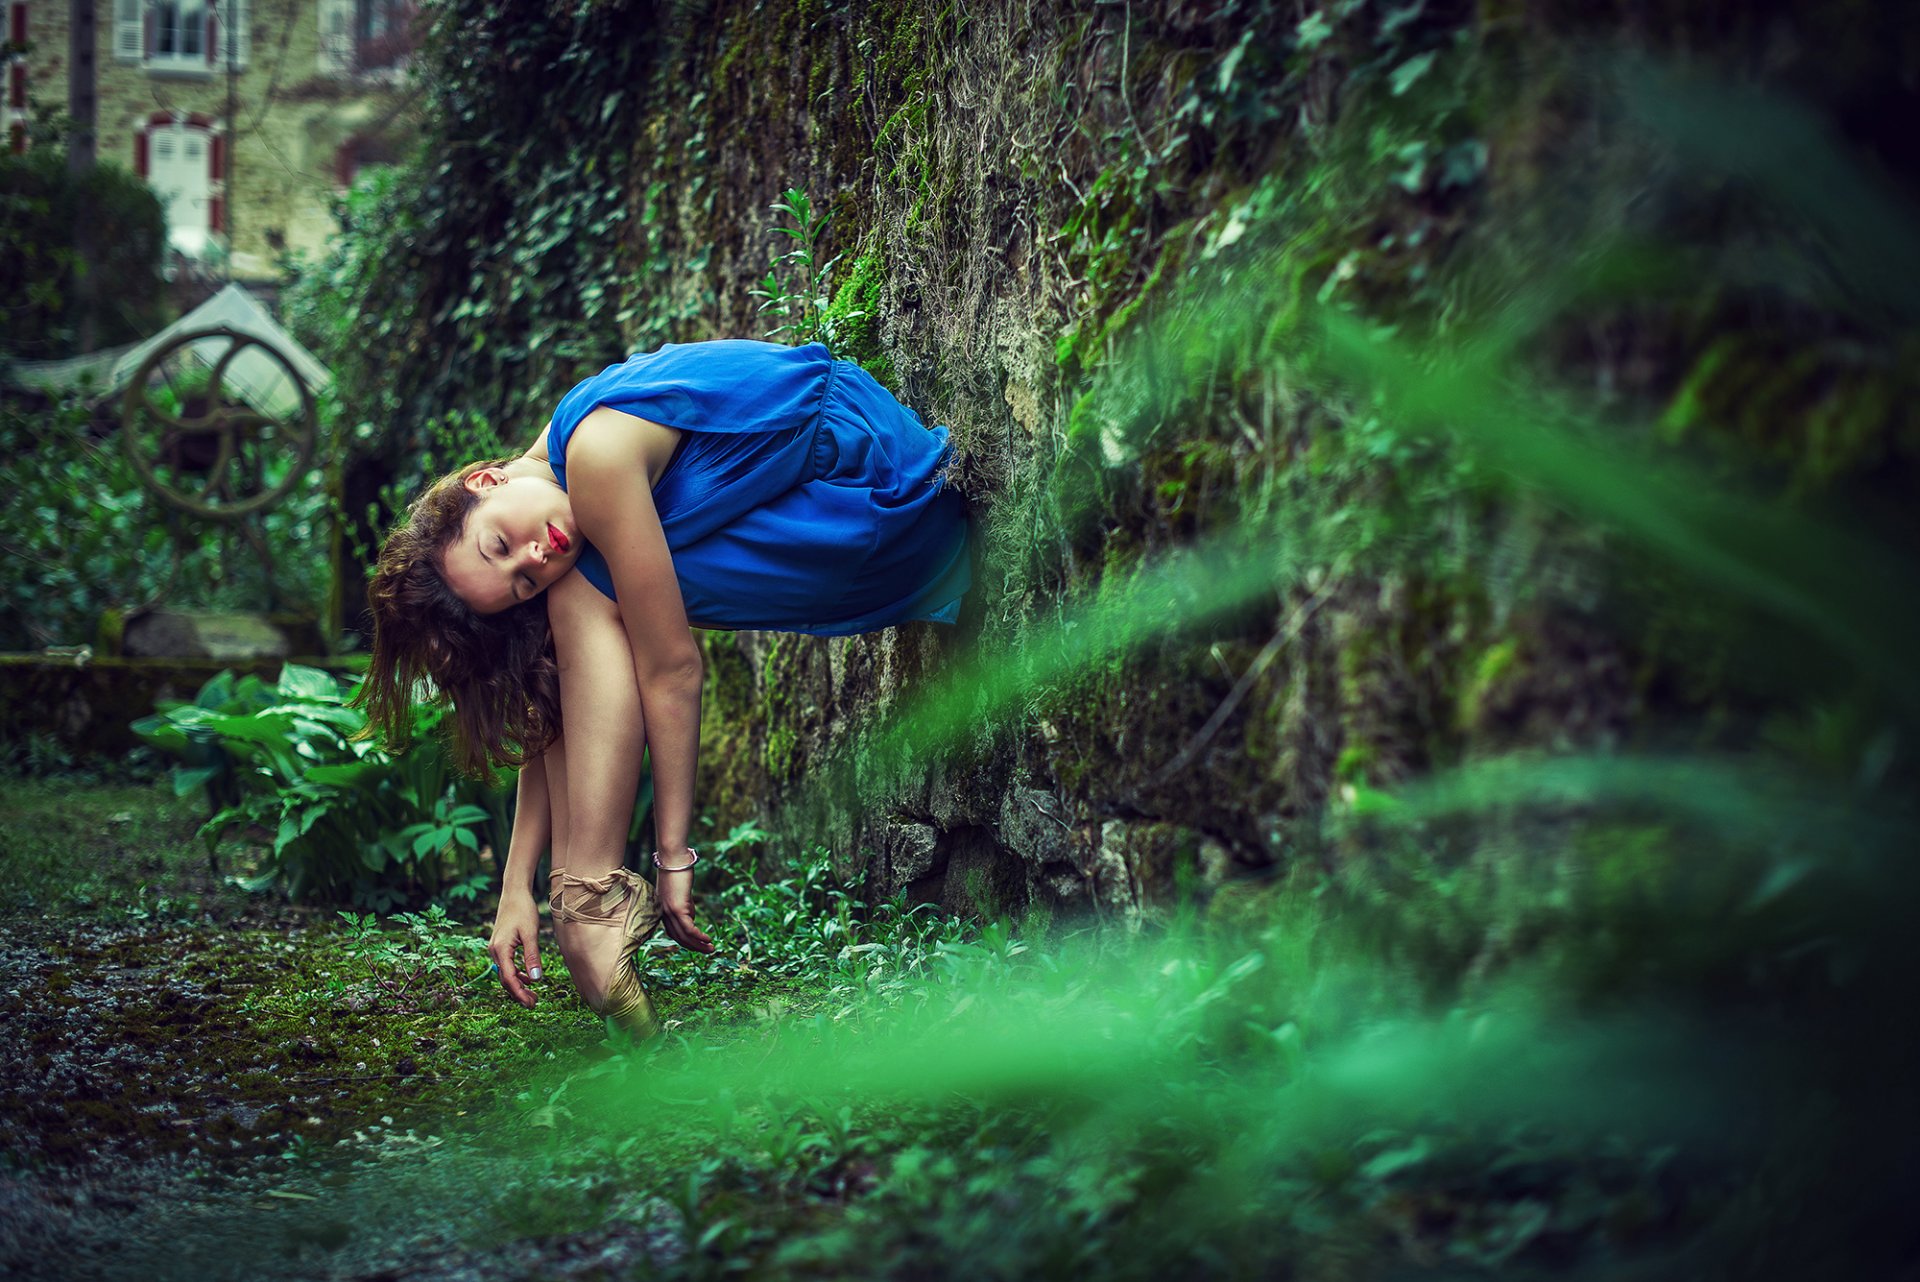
(801, 497)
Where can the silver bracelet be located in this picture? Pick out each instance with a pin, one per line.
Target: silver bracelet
(693, 857)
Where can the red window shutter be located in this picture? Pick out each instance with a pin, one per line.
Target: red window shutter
(19, 137)
(217, 214)
(216, 159)
(17, 28)
(140, 153)
(17, 85)
(213, 36)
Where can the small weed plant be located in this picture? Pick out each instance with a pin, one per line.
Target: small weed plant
(807, 926)
(429, 962)
(797, 290)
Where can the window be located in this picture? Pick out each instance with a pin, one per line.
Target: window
(129, 36)
(365, 36)
(197, 36)
(179, 32)
(381, 32)
(232, 32)
(336, 37)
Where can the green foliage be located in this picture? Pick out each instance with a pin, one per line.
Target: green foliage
(851, 325)
(83, 536)
(317, 300)
(433, 962)
(808, 924)
(798, 290)
(1551, 1013)
(449, 440)
(76, 250)
(486, 274)
(348, 820)
(1271, 1081)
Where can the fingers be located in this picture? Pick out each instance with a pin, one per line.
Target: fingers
(681, 929)
(510, 979)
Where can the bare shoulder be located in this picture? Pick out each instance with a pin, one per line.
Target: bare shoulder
(611, 443)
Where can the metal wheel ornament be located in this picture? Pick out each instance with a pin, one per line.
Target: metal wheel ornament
(219, 423)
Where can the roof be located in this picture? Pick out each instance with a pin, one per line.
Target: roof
(253, 374)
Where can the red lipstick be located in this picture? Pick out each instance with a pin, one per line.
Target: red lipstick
(559, 540)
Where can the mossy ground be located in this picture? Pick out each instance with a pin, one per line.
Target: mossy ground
(160, 1021)
(201, 1086)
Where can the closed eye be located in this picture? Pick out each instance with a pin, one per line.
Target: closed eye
(524, 580)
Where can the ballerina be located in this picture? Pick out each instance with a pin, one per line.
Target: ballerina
(550, 599)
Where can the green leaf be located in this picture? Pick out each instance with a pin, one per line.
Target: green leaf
(311, 816)
(1382, 1165)
(216, 693)
(271, 731)
(345, 774)
(1231, 63)
(1408, 73)
(187, 778)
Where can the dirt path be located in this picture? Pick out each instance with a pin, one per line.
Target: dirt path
(165, 1111)
(199, 1084)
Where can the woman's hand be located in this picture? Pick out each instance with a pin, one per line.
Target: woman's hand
(675, 890)
(516, 925)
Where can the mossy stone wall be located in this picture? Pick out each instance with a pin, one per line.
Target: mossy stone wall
(1043, 214)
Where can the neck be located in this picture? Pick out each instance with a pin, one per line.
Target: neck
(531, 465)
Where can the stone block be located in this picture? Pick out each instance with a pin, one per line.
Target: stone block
(226, 637)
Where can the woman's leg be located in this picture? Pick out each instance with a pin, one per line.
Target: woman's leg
(601, 911)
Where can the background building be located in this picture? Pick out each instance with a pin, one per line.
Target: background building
(245, 116)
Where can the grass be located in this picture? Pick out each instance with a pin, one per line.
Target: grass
(1425, 1063)
(1560, 1054)
(70, 844)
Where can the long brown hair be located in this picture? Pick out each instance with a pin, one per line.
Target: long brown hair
(497, 670)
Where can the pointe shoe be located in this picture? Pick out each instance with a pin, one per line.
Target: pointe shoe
(600, 923)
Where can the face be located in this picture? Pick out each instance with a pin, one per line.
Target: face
(519, 539)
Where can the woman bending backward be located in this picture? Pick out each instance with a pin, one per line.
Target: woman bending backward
(550, 599)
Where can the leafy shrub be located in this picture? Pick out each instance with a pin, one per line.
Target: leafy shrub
(83, 535)
(349, 820)
(44, 214)
(806, 923)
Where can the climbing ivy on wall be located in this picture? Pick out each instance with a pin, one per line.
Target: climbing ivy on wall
(76, 252)
(1042, 219)
(496, 267)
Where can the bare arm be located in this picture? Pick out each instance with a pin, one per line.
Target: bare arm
(612, 470)
(532, 830)
(516, 925)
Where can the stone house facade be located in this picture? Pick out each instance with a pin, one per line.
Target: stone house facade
(245, 116)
